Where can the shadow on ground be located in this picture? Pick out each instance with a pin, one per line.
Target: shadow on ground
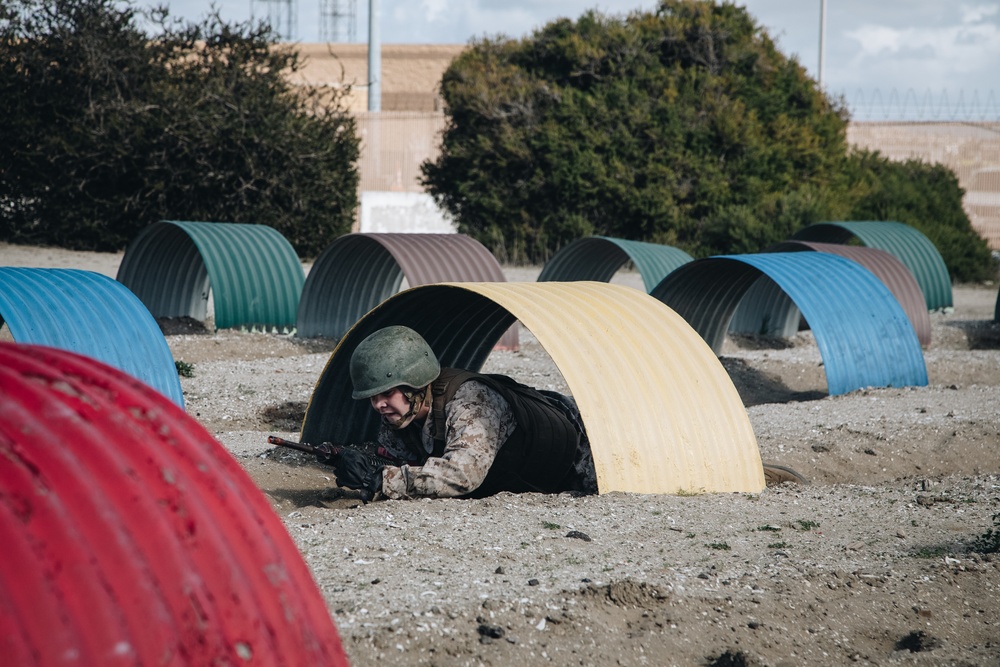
(981, 334)
(757, 388)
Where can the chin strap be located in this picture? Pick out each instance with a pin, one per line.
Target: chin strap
(418, 399)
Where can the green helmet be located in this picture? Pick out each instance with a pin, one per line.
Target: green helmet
(391, 357)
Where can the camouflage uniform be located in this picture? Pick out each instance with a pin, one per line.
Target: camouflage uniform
(478, 421)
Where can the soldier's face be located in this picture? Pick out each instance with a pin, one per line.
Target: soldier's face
(392, 405)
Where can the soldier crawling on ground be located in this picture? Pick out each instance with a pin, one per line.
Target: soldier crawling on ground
(447, 432)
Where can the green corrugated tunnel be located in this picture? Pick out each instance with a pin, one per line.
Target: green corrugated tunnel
(252, 271)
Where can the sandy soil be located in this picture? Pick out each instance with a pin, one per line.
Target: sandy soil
(870, 564)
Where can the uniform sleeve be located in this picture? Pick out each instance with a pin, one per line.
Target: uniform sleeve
(477, 422)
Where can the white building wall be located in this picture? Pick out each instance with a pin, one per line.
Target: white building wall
(403, 212)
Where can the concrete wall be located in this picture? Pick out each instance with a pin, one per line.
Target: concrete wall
(409, 212)
(410, 73)
(970, 149)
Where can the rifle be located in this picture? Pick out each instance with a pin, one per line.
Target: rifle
(327, 453)
(324, 452)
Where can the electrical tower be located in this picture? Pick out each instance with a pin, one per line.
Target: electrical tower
(337, 20)
(280, 14)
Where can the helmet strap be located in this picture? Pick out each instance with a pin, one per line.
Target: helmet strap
(417, 398)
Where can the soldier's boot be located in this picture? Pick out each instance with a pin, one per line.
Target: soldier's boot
(775, 475)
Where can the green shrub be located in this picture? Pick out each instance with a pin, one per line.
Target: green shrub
(684, 126)
(107, 130)
(989, 542)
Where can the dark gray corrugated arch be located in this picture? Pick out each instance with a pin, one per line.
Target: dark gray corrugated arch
(767, 310)
(863, 335)
(252, 271)
(359, 271)
(90, 314)
(906, 243)
(600, 257)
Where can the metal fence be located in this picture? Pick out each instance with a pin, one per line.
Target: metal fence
(395, 143)
(911, 105)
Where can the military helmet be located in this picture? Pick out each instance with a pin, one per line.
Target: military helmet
(391, 357)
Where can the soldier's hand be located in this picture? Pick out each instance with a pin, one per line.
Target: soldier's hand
(326, 453)
(355, 470)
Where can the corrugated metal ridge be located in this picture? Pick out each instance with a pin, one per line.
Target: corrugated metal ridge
(887, 268)
(91, 314)
(252, 270)
(863, 335)
(600, 257)
(359, 271)
(129, 532)
(904, 242)
(607, 341)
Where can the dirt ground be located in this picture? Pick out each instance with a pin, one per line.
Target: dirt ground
(871, 564)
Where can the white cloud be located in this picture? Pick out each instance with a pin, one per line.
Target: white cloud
(976, 13)
(960, 48)
(434, 9)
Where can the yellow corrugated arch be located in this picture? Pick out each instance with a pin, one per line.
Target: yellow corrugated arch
(661, 412)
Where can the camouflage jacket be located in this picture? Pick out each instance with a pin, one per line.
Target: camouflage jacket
(478, 421)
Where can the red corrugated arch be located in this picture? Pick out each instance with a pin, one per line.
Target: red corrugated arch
(132, 537)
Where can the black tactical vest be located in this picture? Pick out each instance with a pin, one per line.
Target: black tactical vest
(538, 455)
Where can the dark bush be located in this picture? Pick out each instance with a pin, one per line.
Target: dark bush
(685, 126)
(108, 129)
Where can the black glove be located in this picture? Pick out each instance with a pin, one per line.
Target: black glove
(326, 453)
(357, 470)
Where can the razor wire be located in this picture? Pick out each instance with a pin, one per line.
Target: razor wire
(927, 106)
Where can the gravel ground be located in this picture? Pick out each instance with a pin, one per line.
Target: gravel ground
(870, 564)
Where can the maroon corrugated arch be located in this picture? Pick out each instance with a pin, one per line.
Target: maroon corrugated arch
(887, 268)
(359, 271)
(131, 537)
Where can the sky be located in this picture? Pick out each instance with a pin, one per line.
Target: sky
(935, 58)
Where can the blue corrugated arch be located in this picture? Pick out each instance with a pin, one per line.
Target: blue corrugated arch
(863, 334)
(600, 257)
(92, 315)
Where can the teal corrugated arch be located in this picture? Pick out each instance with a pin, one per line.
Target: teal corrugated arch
(863, 334)
(92, 315)
(906, 243)
(600, 257)
(253, 273)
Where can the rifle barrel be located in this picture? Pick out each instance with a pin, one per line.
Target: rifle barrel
(301, 446)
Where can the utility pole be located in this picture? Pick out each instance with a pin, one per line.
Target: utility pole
(374, 56)
(337, 20)
(822, 39)
(281, 15)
